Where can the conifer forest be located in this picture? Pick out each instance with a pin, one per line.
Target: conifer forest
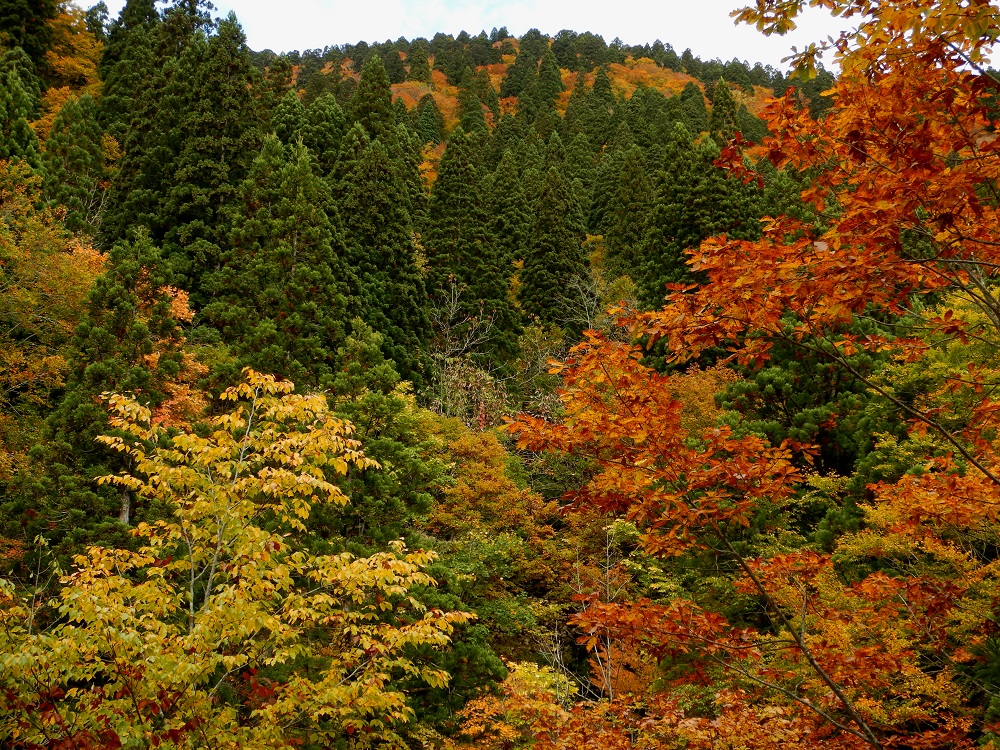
(498, 393)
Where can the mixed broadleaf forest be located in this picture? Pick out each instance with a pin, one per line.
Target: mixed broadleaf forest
(493, 392)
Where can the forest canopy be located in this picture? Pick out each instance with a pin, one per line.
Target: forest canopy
(495, 392)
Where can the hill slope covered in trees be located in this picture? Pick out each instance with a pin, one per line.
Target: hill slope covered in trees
(496, 392)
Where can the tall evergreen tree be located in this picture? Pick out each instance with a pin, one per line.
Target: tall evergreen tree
(371, 104)
(554, 264)
(407, 166)
(550, 83)
(694, 200)
(135, 15)
(382, 253)
(430, 122)
(520, 75)
(323, 130)
(722, 121)
(289, 118)
(628, 214)
(394, 68)
(17, 139)
(509, 212)
(419, 70)
(25, 24)
(73, 164)
(693, 106)
(189, 147)
(17, 63)
(128, 343)
(470, 108)
(129, 68)
(462, 253)
(582, 170)
(281, 296)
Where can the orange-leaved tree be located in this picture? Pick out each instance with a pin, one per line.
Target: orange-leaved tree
(890, 641)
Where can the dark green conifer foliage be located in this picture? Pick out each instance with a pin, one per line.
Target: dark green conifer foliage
(462, 254)
(322, 132)
(73, 165)
(318, 84)
(550, 83)
(509, 212)
(281, 297)
(605, 187)
(190, 145)
(276, 83)
(394, 68)
(576, 109)
(128, 320)
(352, 146)
(371, 104)
(17, 63)
(135, 15)
(628, 212)
(508, 135)
(722, 122)
(693, 200)
(693, 107)
(289, 118)
(555, 152)
(17, 139)
(520, 75)
(366, 390)
(582, 170)
(129, 82)
(598, 118)
(483, 87)
(430, 122)
(381, 252)
(470, 110)
(402, 113)
(420, 69)
(407, 166)
(554, 263)
(24, 24)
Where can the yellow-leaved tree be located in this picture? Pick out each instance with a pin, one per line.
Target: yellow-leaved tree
(222, 630)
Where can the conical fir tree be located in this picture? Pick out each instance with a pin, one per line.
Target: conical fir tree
(281, 297)
(381, 251)
(128, 67)
(581, 169)
(722, 121)
(135, 15)
(128, 343)
(371, 104)
(694, 200)
(17, 139)
(462, 254)
(550, 83)
(628, 213)
(509, 213)
(16, 61)
(554, 264)
(430, 122)
(288, 118)
(419, 70)
(190, 146)
(73, 164)
(322, 132)
(470, 108)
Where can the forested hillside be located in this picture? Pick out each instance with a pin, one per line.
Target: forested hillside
(494, 392)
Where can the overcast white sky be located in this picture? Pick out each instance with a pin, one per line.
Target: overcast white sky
(702, 25)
